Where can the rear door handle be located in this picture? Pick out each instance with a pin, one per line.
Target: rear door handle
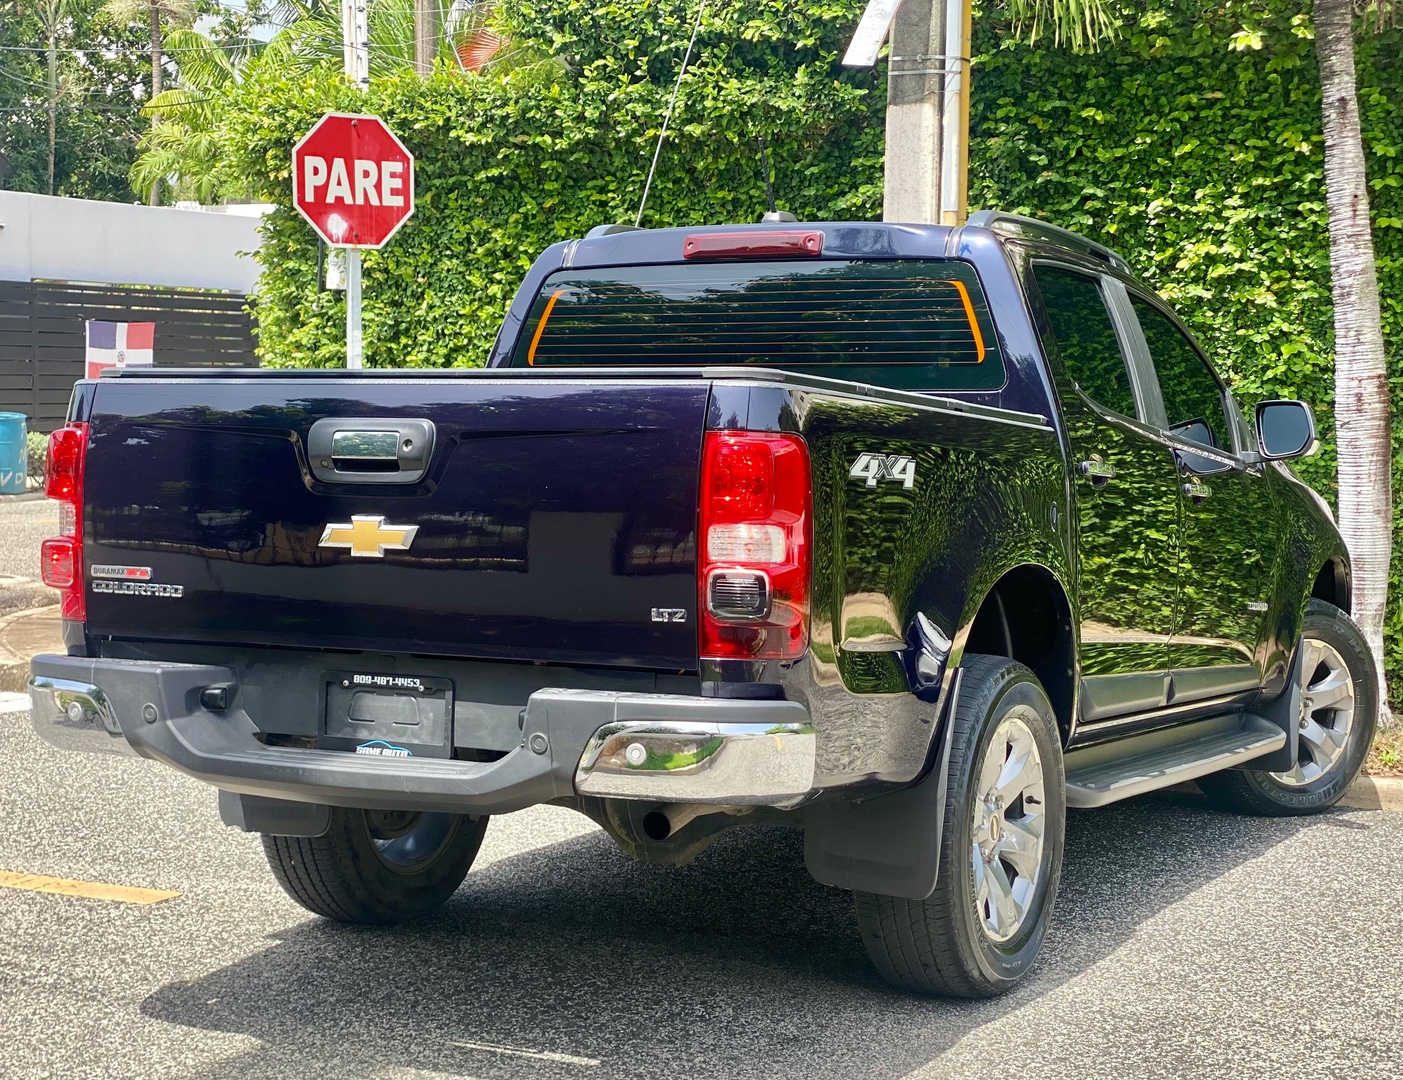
(1197, 491)
(1097, 471)
(370, 450)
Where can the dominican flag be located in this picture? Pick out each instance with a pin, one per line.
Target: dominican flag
(119, 344)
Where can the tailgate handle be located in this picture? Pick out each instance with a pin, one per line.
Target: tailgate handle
(370, 450)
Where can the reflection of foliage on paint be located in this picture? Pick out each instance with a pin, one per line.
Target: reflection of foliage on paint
(981, 503)
(661, 762)
(869, 626)
(1202, 164)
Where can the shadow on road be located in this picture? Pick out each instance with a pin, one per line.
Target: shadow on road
(740, 965)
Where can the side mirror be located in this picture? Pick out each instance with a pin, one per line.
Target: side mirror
(1195, 431)
(1285, 429)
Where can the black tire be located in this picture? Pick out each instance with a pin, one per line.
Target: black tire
(377, 867)
(1259, 792)
(940, 945)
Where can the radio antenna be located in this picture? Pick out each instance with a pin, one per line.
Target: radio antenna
(638, 222)
(769, 179)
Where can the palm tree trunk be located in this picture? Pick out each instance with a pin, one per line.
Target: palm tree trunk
(155, 12)
(1361, 377)
(53, 106)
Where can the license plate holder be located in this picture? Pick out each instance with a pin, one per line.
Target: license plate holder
(378, 715)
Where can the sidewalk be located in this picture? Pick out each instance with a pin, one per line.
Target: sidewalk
(23, 634)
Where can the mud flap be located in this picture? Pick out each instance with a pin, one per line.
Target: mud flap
(889, 845)
(1285, 713)
(276, 817)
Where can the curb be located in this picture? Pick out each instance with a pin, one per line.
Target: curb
(14, 666)
(1374, 793)
(19, 595)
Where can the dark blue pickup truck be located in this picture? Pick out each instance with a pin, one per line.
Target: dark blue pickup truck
(908, 536)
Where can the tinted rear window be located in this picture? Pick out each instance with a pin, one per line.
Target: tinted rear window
(907, 325)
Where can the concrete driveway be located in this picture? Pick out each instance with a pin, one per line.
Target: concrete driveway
(1186, 943)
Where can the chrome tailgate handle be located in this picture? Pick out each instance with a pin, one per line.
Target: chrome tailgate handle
(370, 450)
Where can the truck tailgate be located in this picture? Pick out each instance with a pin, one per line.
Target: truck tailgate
(554, 518)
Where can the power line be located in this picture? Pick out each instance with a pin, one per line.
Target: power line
(105, 50)
(71, 108)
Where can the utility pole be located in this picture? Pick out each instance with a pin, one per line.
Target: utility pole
(425, 36)
(927, 150)
(355, 44)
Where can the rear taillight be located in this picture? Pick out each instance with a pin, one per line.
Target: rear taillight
(753, 569)
(61, 559)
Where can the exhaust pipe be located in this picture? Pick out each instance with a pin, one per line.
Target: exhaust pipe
(661, 822)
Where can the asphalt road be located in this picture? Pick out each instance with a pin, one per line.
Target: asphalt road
(1186, 943)
(24, 525)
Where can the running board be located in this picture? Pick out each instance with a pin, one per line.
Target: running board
(1110, 771)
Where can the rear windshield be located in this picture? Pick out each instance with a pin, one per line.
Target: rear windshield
(906, 325)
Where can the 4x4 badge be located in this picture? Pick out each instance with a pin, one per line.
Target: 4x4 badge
(368, 536)
(875, 467)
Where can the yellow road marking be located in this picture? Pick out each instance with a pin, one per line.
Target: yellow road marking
(93, 890)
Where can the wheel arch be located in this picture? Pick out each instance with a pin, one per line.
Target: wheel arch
(1026, 615)
(1332, 583)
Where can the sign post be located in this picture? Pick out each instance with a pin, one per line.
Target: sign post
(355, 43)
(353, 181)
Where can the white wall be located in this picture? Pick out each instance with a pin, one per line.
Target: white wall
(118, 244)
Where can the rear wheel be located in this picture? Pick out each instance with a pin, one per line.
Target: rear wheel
(1001, 848)
(1339, 709)
(377, 866)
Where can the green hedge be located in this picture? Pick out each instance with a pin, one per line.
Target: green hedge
(1200, 163)
(505, 167)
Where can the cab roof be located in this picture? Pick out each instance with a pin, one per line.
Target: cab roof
(625, 245)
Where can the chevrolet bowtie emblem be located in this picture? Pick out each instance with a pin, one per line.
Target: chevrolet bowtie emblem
(368, 536)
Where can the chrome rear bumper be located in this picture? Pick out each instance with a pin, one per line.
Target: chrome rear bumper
(74, 715)
(730, 763)
(654, 747)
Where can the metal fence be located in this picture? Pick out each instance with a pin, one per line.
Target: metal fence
(42, 336)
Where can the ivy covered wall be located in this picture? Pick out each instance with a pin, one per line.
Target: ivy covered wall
(1192, 145)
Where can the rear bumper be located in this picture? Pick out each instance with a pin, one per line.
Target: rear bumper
(655, 747)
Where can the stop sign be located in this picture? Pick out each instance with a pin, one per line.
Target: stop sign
(353, 180)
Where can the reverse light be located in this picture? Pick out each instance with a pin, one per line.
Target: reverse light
(753, 570)
(61, 558)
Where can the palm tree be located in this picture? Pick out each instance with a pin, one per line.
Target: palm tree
(1361, 374)
(155, 12)
(182, 145)
(468, 40)
(51, 15)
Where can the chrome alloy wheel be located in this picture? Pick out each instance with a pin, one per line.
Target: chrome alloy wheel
(1010, 817)
(1327, 713)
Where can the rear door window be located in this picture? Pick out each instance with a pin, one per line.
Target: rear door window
(1085, 337)
(906, 325)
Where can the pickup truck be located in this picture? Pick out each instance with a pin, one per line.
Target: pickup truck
(911, 537)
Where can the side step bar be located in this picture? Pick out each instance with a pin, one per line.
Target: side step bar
(1108, 772)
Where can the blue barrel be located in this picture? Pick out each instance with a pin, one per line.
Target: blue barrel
(14, 458)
